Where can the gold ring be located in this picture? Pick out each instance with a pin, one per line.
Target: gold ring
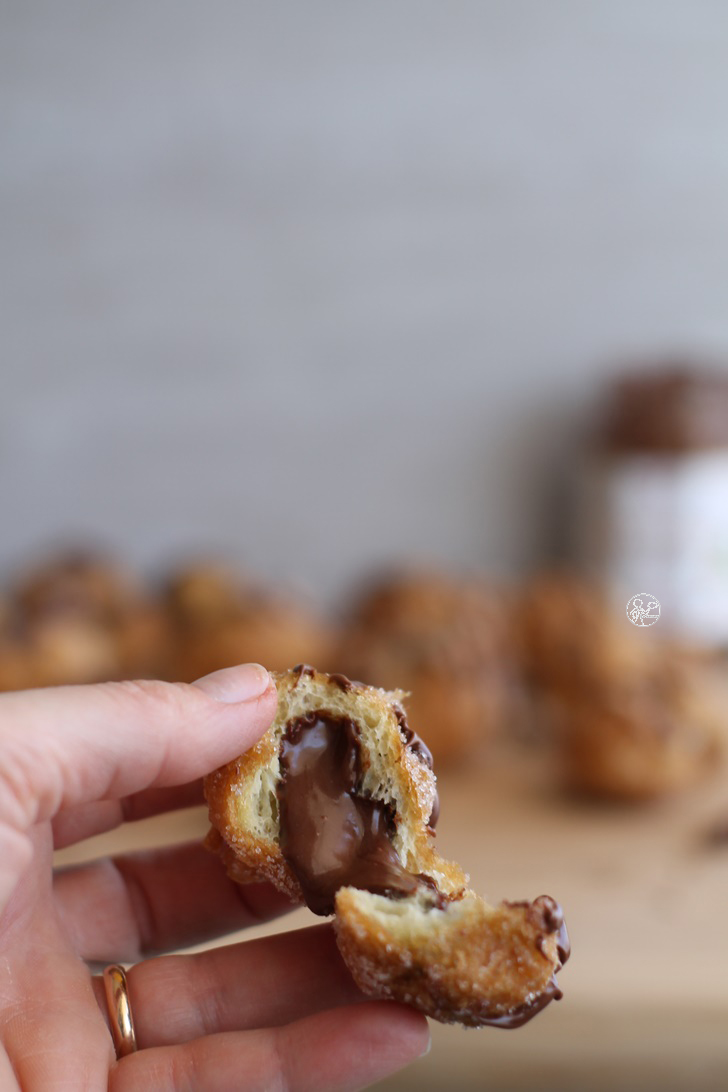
(119, 1006)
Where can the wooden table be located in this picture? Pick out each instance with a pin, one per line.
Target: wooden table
(646, 902)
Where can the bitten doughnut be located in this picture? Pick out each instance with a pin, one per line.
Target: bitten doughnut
(336, 806)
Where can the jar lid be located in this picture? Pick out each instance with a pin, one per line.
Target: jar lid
(677, 408)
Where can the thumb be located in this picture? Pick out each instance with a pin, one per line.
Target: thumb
(75, 744)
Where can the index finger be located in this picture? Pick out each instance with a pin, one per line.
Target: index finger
(70, 745)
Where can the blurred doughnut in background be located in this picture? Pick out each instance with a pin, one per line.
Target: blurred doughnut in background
(443, 638)
(216, 618)
(631, 716)
(79, 617)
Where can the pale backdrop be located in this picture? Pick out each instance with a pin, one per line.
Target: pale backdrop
(329, 283)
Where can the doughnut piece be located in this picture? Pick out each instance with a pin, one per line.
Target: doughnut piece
(336, 807)
(465, 963)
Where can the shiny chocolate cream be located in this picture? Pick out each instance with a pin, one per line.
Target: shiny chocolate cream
(331, 835)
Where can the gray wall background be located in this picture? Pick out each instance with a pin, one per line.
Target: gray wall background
(328, 283)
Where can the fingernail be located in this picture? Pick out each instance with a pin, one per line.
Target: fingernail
(428, 1048)
(234, 684)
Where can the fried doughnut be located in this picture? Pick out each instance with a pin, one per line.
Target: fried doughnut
(445, 640)
(81, 618)
(76, 582)
(634, 716)
(217, 618)
(202, 594)
(570, 640)
(649, 737)
(336, 806)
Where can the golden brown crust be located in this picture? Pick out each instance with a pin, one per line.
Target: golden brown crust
(247, 858)
(473, 965)
(453, 956)
(261, 856)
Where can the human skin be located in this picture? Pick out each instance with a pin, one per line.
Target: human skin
(280, 1014)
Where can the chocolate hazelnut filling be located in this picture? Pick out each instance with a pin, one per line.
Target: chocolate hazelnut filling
(330, 834)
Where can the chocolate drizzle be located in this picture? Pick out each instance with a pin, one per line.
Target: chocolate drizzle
(419, 748)
(415, 743)
(434, 814)
(519, 1016)
(551, 915)
(300, 670)
(440, 900)
(331, 835)
(342, 682)
(548, 916)
(553, 919)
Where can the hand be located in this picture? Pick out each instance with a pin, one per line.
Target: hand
(279, 1013)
